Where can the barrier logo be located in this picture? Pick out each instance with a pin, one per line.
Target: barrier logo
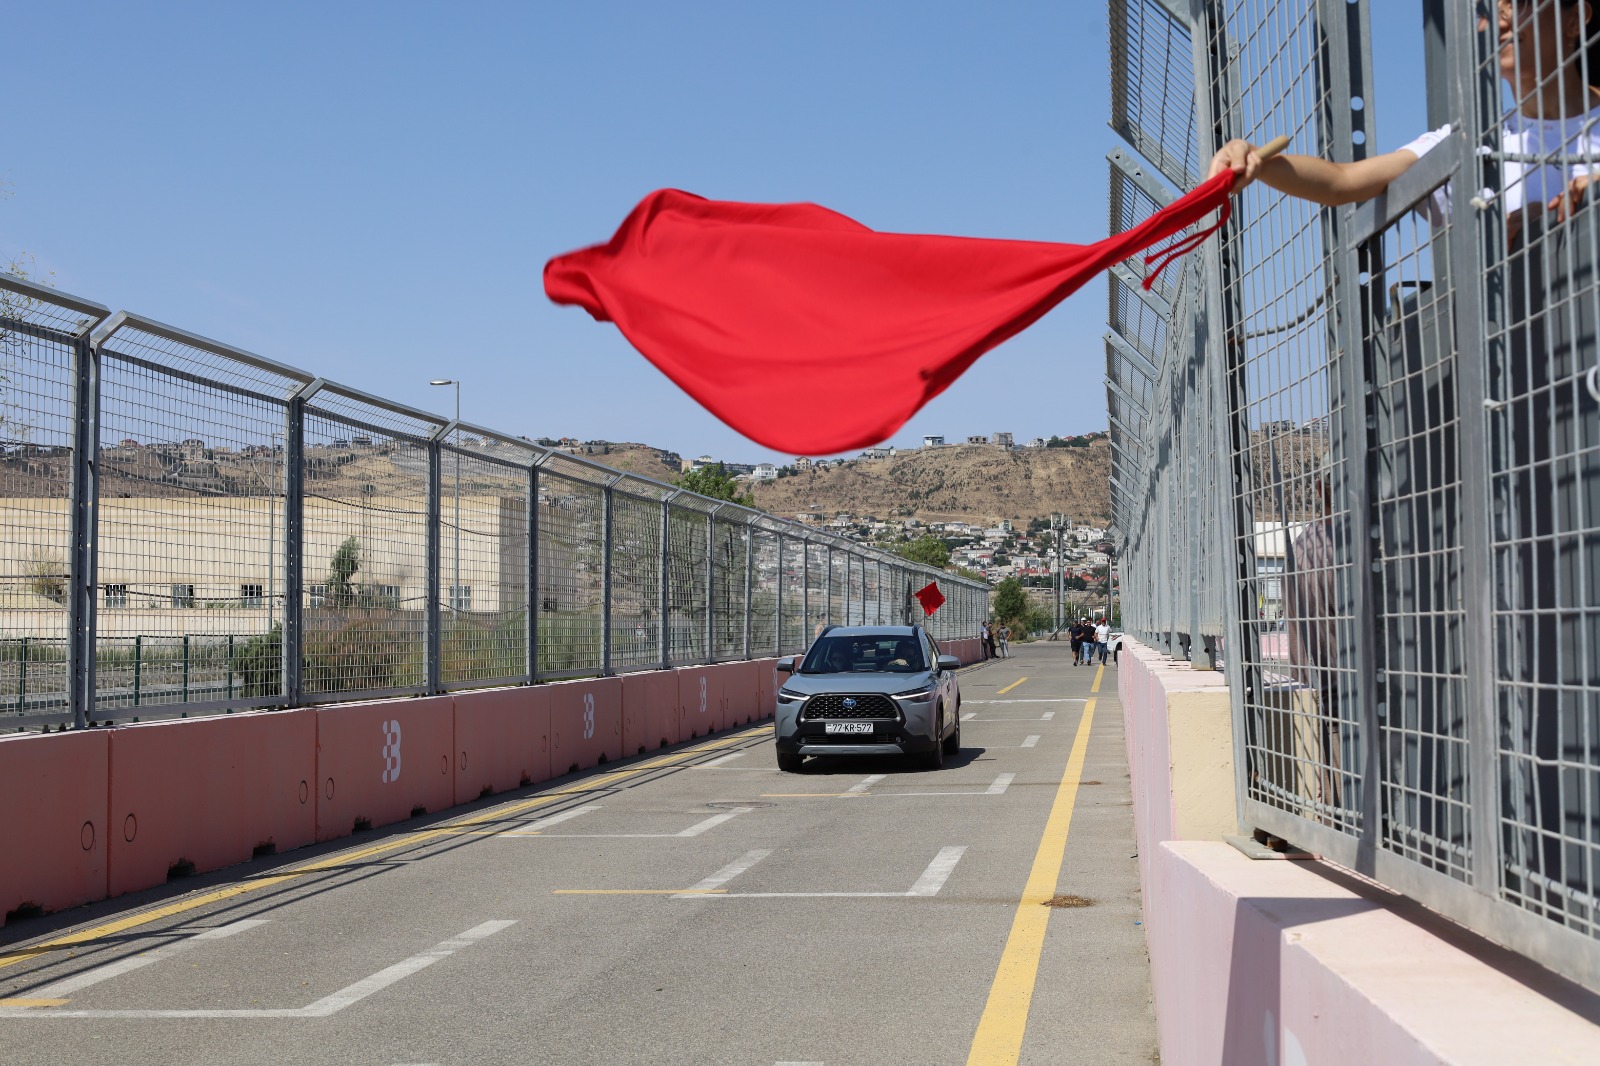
(702, 695)
(588, 715)
(391, 751)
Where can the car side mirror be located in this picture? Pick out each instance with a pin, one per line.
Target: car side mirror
(786, 665)
(949, 662)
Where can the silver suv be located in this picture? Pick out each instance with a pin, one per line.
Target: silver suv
(869, 690)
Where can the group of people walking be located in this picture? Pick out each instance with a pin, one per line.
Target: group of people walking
(1088, 640)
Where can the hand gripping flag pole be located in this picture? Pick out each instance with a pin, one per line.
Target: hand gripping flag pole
(810, 333)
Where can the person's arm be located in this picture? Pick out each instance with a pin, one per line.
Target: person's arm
(1311, 178)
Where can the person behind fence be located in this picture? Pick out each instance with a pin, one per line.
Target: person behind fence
(1555, 116)
(1311, 612)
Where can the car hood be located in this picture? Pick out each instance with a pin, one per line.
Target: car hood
(811, 684)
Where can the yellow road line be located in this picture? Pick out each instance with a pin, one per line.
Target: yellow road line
(34, 1002)
(344, 858)
(634, 892)
(1098, 674)
(1011, 686)
(998, 1041)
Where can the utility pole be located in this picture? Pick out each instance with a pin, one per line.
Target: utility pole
(1055, 526)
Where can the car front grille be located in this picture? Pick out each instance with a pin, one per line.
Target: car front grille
(832, 705)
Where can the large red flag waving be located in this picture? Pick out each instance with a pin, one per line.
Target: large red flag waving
(930, 597)
(810, 333)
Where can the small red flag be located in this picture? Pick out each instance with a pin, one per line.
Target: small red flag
(810, 333)
(930, 597)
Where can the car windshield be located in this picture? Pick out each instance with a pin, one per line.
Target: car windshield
(869, 653)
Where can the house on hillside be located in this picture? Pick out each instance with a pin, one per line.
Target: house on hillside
(933, 441)
(978, 440)
(802, 463)
(764, 472)
(1004, 440)
(881, 452)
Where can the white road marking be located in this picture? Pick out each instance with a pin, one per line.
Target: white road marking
(322, 1008)
(866, 783)
(1030, 741)
(999, 787)
(970, 715)
(1062, 700)
(720, 760)
(929, 884)
(798, 1064)
(555, 819)
(693, 831)
(738, 866)
(1047, 716)
(63, 988)
(938, 872)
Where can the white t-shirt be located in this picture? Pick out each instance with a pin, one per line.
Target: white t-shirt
(1571, 143)
(1102, 634)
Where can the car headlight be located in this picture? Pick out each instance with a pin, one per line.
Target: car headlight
(786, 696)
(917, 695)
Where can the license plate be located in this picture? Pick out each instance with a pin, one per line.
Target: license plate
(847, 727)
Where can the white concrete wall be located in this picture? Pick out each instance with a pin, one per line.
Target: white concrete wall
(1261, 962)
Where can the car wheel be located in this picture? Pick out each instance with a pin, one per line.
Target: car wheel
(934, 760)
(952, 743)
(790, 764)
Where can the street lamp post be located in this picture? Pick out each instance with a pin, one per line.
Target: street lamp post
(455, 582)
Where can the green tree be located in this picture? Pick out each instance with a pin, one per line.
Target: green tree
(926, 549)
(1010, 601)
(714, 481)
(342, 569)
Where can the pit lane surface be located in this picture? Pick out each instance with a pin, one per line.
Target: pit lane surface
(691, 906)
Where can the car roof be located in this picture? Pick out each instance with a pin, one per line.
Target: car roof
(870, 631)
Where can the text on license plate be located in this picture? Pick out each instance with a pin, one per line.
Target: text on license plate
(847, 727)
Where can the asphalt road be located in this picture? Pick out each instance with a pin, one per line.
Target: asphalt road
(693, 906)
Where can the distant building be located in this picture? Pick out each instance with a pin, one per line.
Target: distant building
(978, 440)
(802, 463)
(1003, 440)
(879, 453)
(764, 472)
(1037, 442)
(933, 441)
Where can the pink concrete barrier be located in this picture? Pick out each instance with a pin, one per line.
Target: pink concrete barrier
(200, 794)
(378, 763)
(502, 740)
(53, 792)
(649, 711)
(585, 723)
(768, 681)
(699, 701)
(738, 702)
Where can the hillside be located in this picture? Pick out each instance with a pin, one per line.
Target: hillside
(978, 483)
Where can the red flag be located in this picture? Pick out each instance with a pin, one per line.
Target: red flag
(812, 334)
(930, 597)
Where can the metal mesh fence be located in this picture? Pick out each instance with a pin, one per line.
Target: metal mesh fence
(186, 527)
(1399, 396)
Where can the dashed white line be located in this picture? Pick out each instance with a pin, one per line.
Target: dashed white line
(938, 872)
(1028, 742)
(555, 819)
(322, 1008)
(970, 715)
(63, 988)
(929, 884)
(701, 889)
(863, 785)
(999, 787)
(693, 831)
(1064, 699)
(719, 760)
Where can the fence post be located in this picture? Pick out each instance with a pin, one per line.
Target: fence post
(749, 576)
(777, 630)
(827, 584)
(805, 590)
(531, 634)
(666, 582)
(431, 615)
(607, 534)
(294, 503)
(85, 489)
(711, 586)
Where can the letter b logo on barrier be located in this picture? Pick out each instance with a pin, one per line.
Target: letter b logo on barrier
(391, 751)
(588, 715)
(702, 695)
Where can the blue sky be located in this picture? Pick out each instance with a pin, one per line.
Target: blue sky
(370, 190)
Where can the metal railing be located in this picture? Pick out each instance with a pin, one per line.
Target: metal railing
(1357, 449)
(188, 528)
